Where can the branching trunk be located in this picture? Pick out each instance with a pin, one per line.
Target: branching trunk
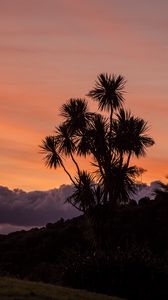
(128, 159)
(121, 159)
(111, 128)
(78, 170)
(69, 175)
(118, 184)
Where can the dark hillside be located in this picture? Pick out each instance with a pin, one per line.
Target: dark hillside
(43, 254)
(130, 260)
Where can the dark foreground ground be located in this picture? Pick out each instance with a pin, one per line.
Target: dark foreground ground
(12, 289)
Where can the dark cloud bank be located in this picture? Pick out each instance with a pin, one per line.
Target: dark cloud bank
(24, 210)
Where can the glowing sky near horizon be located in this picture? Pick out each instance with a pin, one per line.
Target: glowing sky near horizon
(52, 50)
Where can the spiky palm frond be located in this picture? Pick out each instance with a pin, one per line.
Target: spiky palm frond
(108, 91)
(130, 134)
(98, 173)
(141, 139)
(122, 131)
(99, 194)
(98, 136)
(49, 148)
(65, 140)
(83, 142)
(76, 114)
(124, 180)
(83, 195)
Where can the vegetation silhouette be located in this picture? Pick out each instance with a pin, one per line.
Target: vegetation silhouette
(117, 246)
(136, 238)
(108, 140)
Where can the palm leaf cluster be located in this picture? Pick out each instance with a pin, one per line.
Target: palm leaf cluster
(110, 142)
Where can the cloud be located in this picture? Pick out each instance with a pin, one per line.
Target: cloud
(23, 210)
(144, 190)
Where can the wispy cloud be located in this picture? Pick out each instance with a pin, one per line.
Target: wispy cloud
(53, 50)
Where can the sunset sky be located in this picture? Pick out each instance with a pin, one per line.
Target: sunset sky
(53, 50)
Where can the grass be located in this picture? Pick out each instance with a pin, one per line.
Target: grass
(14, 289)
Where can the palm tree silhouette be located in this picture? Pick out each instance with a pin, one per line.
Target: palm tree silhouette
(124, 182)
(130, 135)
(110, 142)
(52, 156)
(108, 92)
(99, 148)
(66, 143)
(76, 114)
(83, 196)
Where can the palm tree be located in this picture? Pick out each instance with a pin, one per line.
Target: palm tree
(98, 146)
(66, 142)
(109, 142)
(92, 139)
(52, 156)
(108, 92)
(76, 114)
(83, 197)
(124, 182)
(98, 132)
(130, 135)
(129, 138)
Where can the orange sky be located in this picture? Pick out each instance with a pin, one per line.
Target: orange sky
(51, 50)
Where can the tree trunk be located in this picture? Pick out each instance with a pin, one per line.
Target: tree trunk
(69, 175)
(78, 170)
(129, 157)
